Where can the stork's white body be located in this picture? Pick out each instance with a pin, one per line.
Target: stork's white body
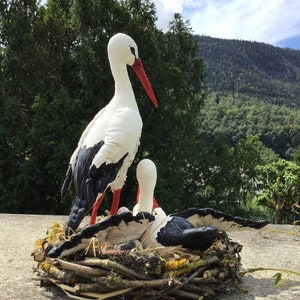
(118, 124)
(109, 143)
(119, 139)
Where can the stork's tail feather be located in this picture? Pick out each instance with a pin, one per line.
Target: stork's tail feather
(201, 217)
(67, 182)
(78, 211)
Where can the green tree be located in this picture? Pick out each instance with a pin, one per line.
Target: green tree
(51, 141)
(281, 187)
(19, 83)
(35, 64)
(171, 135)
(227, 174)
(13, 116)
(239, 116)
(296, 156)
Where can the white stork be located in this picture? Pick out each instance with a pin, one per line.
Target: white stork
(109, 143)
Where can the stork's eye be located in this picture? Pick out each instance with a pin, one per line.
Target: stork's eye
(132, 50)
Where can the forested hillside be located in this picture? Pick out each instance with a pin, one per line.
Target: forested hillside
(253, 88)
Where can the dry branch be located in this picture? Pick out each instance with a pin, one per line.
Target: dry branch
(108, 264)
(79, 269)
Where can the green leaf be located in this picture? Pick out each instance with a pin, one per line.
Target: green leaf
(278, 278)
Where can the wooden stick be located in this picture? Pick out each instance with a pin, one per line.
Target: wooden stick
(123, 283)
(201, 280)
(112, 294)
(109, 264)
(189, 295)
(67, 289)
(211, 273)
(214, 259)
(208, 290)
(181, 293)
(53, 271)
(186, 268)
(81, 269)
(175, 290)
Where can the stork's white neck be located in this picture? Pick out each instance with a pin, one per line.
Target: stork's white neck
(146, 199)
(146, 175)
(121, 77)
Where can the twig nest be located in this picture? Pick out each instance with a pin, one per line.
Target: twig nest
(102, 271)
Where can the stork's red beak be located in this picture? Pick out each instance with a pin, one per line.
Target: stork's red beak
(155, 203)
(141, 74)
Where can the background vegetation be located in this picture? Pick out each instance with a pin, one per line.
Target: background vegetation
(212, 146)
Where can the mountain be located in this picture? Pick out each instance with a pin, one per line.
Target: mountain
(253, 88)
(252, 68)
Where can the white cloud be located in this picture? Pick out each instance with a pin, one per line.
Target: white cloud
(165, 11)
(267, 21)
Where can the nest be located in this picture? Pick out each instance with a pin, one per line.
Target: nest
(103, 271)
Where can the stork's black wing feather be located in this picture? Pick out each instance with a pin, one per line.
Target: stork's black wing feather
(209, 217)
(89, 181)
(91, 231)
(180, 232)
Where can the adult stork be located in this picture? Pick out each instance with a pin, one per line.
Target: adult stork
(109, 143)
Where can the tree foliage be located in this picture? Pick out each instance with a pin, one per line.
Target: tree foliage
(238, 116)
(227, 174)
(281, 187)
(296, 156)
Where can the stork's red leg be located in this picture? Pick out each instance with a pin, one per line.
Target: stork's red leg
(115, 202)
(95, 209)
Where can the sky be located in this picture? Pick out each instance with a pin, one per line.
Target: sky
(275, 22)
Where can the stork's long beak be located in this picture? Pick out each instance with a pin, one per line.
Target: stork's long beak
(141, 74)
